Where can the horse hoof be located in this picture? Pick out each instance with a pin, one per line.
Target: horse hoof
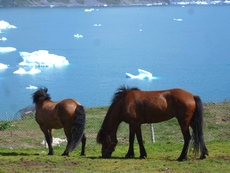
(181, 159)
(202, 157)
(143, 157)
(65, 154)
(129, 156)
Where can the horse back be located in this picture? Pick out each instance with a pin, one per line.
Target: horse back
(67, 106)
(158, 106)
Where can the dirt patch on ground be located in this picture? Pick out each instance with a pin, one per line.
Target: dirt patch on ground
(39, 166)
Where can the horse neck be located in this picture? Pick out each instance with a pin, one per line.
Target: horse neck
(112, 124)
(40, 105)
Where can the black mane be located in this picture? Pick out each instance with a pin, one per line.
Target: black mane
(40, 95)
(121, 92)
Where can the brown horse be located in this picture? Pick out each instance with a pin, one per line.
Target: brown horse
(67, 114)
(137, 107)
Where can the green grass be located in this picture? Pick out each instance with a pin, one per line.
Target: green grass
(21, 149)
(161, 158)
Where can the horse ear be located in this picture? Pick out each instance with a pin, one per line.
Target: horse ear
(45, 89)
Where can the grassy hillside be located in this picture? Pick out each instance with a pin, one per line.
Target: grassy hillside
(21, 149)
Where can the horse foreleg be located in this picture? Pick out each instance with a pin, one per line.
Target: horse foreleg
(51, 136)
(187, 138)
(49, 139)
(83, 142)
(143, 153)
(130, 153)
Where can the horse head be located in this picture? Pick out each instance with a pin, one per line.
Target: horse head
(108, 144)
(40, 95)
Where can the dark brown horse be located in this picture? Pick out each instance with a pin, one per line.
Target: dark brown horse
(137, 107)
(67, 114)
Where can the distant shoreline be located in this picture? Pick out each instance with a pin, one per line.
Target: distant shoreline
(119, 3)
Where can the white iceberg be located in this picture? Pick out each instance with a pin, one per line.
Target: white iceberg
(3, 38)
(97, 24)
(182, 3)
(143, 74)
(42, 58)
(7, 49)
(3, 66)
(178, 20)
(20, 71)
(89, 10)
(23, 71)
(34, 71)
(5, 25)
(78, 35)
(226, 2)
(31, 87)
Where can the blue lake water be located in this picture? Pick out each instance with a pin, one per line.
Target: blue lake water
(185, 47)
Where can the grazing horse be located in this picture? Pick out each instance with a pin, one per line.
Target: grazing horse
(137, 107)
(67, 114)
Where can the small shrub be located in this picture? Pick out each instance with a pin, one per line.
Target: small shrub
(4, 125)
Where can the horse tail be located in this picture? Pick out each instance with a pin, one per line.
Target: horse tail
(78, 128)
(197, 124)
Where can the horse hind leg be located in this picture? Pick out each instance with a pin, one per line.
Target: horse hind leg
(184, 152)
(143, 153)
(187, 138)
(66, 152)
(203, 149)
(204, 152)
(69, 138)
(83, 141)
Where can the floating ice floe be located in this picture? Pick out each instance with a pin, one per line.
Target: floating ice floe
(178, 20)
(3, 38)
(78, 35)
(89, 10)
(30, 87)
(226, 2)
(7, 49)
(42, 58)
(3, 66)
(34, 71)
(182, 3)
(97, 24)
(6, 25)
(143, 74)
(23, 71)
(20, 71)
(56, 142)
